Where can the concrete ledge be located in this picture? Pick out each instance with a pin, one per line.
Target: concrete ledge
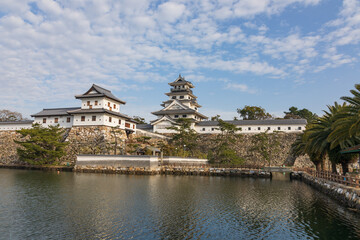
(187, 161)
(117, 161)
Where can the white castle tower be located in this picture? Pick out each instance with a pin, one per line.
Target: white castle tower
(181, 104)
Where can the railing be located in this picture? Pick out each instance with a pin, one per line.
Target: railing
(346, 180)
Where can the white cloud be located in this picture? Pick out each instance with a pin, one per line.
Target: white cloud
(50, 47)
(170, 11)
(239, 87)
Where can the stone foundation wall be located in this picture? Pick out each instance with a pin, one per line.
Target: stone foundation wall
(93, 140)
(244, 145)
(348, 196)
(8, 147)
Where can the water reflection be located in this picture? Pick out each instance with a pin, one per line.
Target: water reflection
(40, 205)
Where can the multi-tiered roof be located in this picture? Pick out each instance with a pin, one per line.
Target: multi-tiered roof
(182, 102)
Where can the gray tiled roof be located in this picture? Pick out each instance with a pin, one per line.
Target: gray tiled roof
(100, 110)
(102, 92)
(256, 122)
(144, 126)
(54, 112)
(18, 122)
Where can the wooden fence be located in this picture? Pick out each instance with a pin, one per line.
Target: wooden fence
(352, 181)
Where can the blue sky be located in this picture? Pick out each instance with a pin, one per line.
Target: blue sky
(270, 53)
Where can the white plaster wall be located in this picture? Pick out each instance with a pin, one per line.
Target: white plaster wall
(162, 127)
(102, 104)
(14, 126)
(88, 120)
(87, 158)
(102, 119)
(254, 128)
(62, 121)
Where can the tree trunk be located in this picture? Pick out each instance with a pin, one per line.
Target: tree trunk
(345, 167)
(318, 166)
(323, 165)
(333, 167)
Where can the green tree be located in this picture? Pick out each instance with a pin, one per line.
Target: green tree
(267, 145)
(184, 137)
(253, 113)
(300, 148)
(139, 120)
(295, 113)
(41, 145)
(346, 129)
(316, 140)
(224, 151)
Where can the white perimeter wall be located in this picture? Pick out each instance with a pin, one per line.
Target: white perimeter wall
(14, 126)
(254, 128)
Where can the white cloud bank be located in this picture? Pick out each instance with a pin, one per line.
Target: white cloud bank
(50, 47)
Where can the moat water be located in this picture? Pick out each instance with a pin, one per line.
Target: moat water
(50, 205)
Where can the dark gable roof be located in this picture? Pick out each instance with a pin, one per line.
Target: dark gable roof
(181, 81)
(18, 122)
(101, 92)
(100, 110)
(257, 122)
(54, 112)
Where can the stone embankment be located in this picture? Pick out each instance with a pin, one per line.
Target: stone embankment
(176, 171)
(348, 196)
(33, 167)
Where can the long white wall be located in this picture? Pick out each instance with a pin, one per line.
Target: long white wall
(14, 126)
(254, 128)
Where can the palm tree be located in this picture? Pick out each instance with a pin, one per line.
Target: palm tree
(301, 147)
(346, 128)
(316, 140)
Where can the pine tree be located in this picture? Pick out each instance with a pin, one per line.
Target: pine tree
(40, 145)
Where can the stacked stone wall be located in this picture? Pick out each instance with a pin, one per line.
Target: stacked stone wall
(244, 145)
(8, 147)
(93, 140)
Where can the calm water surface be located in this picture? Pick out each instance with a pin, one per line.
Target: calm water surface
(43, 205)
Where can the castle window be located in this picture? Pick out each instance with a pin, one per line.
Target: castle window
(68, 119)
(114, 106)
(184, 116)
(279, 128)
(289, 128)
(83, 118)
(44, 120)
(176, 116)
(108, 104)
(56, 120)
(120, 121)
(173, 97)
(96, 103)
(268, 128)
(249, 128)
(212, 129)
(93, 118)
(181, 97)
(110, 119)
(203, 129)
(88, 103)
(299, 128)
(259, 128)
